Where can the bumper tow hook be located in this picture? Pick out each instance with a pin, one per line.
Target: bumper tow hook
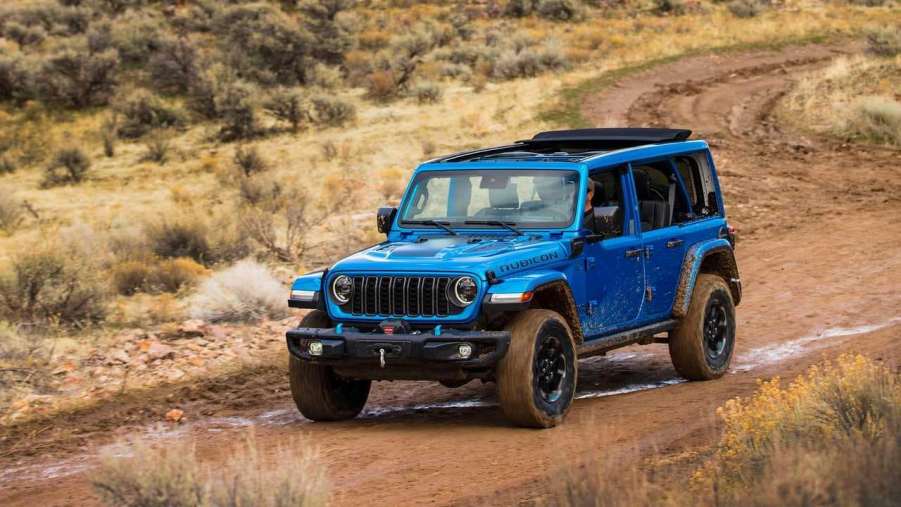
(382, 357)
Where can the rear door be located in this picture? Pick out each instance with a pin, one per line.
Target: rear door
(686, 219)
(614, 281)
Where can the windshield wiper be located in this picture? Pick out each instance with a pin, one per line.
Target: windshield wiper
(435, 223)
(506, 225)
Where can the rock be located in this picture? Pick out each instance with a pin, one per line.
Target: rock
(174, 375)
(175, 415)
(65, 367)
(119, 355)
(157, 350)
(193, 328)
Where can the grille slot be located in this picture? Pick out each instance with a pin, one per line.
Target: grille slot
(402, 296)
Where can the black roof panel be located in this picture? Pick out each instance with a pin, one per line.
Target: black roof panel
(636, 135)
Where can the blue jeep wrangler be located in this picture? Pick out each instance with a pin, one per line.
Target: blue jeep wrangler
(508, 264)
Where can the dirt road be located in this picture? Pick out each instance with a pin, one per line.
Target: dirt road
(819, 226)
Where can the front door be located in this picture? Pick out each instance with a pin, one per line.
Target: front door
(614, 266)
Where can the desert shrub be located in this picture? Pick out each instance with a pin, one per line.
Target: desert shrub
(152, 275)
(427, 92)
(74, 77)
(876, 119)
(24, 35)
(7, 164)
(14, 79)
(109, 132)
(287, 106)
(263, 193)
(327, 110)
(137, 34)
(868, 3)
(237, 108)
(519, 8)
(173, 67)
(746, 8)
(14, 345)
(249, 161)
(245, 292)
(69, 166)
(142, 112)
(173, 476)
(325, 76)
(528, 62)
(669, 7)
(47, 286)
(265, 45)
(11, 211)
(184, 237)
(560, 10)
(884, 41)
(374, 39)
(332, 28)
(157, 149)
(381, 85)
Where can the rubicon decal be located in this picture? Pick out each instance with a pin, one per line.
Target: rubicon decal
(524, 263)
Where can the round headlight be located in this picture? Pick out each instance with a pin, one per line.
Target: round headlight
(463, 291)
(342, 289)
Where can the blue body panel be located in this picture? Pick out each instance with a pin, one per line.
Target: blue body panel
(613, 289)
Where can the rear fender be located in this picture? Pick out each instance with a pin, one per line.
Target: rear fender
(714, 256)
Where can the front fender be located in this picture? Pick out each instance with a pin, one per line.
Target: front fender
(307, 291)
(716, 256)
(526, 282)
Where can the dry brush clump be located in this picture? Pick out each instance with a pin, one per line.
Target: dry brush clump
(174, 476)
(12, 211)
(244, 292)
(829, 438)
(49, 285)
(69, 166)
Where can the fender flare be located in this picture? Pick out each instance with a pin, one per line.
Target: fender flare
(714, 256)
(552, 291)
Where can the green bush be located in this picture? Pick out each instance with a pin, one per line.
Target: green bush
(137, 35)
(76, 78)
(235, 104)
(48, 286)
(265, 45)
(287, 106)
(333, 30)
(332, 111)
(143, 112)
(69, 166)
(14, 79)
(186, 237)
(173, 67)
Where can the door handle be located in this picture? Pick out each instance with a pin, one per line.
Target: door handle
(673, 243)
(634, 253)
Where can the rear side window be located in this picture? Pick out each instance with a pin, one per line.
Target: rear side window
(698, 180)
(661, 203)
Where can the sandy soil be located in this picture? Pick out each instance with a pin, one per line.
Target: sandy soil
(819, 226)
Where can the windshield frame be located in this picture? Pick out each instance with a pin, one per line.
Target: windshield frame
(458, 225)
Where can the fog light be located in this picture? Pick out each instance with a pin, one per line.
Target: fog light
(465, 350)
(315, 348)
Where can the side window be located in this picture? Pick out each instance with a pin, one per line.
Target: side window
(608, 207)
(698, 182)
(661, 202)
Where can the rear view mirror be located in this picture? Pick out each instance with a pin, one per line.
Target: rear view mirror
(384, 218)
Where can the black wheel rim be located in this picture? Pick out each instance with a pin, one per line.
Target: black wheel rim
(716, 330)
(550, 369)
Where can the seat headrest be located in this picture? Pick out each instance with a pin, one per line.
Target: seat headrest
(642, 185)
(504, 198)
(550, 188)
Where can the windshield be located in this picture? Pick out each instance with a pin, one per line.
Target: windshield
(524, 198)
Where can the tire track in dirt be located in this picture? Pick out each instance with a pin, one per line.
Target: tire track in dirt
(819, 226)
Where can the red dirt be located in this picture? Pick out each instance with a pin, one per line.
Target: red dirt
(819, 226)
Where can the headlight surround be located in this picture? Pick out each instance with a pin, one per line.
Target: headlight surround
(342, 289)
(463, 291)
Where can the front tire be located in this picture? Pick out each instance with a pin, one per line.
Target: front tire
(701, 345)
(319, 393)
(537, 377)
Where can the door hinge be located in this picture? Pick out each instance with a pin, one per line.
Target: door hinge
(649, 293)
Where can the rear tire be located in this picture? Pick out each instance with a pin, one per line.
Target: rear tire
(701, 345)
(319, 393)
(537, 377)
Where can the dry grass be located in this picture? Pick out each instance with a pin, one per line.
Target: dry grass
(829, 438)
(173, 476)
(245, 292)
(854, 98)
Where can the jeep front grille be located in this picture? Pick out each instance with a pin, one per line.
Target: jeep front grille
(411, 296)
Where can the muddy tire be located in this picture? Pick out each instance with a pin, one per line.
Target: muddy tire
(319, 393)
(537, 377)
(702, 344)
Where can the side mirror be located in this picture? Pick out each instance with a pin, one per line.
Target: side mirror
(384, 218)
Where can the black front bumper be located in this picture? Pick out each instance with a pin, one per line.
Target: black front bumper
(349, 348)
